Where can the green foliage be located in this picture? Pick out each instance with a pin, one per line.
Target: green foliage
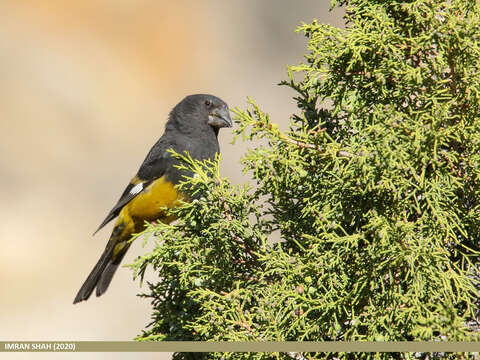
(374, 190)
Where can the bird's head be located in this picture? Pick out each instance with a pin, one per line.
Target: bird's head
(201, 110)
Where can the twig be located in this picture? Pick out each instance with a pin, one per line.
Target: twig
(299, 143)
(340, 153)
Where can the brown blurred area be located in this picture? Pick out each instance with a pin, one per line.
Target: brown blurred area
(85, 90)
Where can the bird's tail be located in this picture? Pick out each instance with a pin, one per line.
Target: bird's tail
(102, 273)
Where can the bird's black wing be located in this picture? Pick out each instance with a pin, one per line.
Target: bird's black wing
(153, 167)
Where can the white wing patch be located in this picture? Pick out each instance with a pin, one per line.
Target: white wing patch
(136, 189)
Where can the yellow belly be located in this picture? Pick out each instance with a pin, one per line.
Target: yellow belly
(147, 205)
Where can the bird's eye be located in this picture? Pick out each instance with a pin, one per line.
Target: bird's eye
(208, 102)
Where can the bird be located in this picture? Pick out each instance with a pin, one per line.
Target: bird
(192, 126)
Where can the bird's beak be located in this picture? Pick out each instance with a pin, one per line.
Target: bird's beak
(220, 118)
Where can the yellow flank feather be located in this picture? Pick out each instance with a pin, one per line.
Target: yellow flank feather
(146, 206)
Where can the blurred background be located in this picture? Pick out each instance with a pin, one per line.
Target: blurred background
(85, 90)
